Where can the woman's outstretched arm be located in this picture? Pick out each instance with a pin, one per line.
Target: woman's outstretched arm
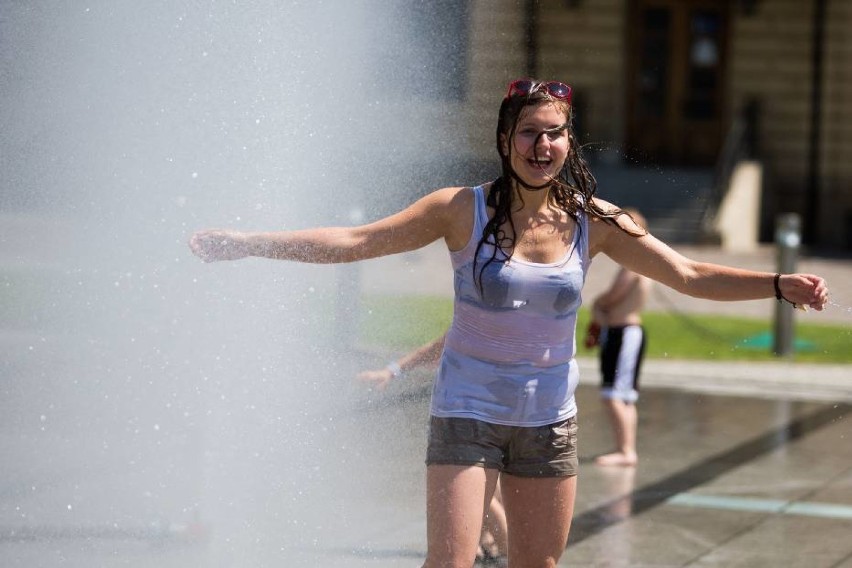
(651, 257)
(439, 214)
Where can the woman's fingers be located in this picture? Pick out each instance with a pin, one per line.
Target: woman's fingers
(806, 290)
(819, 292)
(214, 244)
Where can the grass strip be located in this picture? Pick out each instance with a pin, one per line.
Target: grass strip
(400, 323)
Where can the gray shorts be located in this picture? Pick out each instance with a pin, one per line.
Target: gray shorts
(539, 451)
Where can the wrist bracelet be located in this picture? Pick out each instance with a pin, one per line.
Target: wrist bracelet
(779, 296)
(395, 369)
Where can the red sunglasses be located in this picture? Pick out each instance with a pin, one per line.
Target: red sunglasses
(524, 87)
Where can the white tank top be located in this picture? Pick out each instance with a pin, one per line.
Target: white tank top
(509, 354)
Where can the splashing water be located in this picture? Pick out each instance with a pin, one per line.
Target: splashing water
(841, 307)
(145, 388)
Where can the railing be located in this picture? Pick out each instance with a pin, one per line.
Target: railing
(740, 144)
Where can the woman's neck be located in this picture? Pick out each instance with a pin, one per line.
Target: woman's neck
(530, 200)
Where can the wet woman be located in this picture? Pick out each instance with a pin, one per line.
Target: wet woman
(503, 399)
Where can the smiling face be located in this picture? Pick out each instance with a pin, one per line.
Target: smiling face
(539, 145)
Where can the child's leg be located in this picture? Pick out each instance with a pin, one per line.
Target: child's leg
(624, 420)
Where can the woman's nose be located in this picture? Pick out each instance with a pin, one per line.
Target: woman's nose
(542, 141)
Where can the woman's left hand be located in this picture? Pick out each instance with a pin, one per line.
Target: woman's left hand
(804, 290)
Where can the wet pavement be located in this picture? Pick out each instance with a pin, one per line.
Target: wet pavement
(723, 481)
(175, 450)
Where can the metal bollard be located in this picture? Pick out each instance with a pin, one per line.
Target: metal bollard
(788, 239)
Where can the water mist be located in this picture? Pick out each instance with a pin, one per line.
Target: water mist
(157, 411)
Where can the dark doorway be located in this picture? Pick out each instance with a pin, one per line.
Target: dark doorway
(676, 80)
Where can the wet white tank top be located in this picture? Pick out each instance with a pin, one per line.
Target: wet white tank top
(509, 354)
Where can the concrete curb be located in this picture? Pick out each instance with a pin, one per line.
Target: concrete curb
(775, 380)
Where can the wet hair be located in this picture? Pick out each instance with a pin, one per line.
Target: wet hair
(637, 217)
(572, 190)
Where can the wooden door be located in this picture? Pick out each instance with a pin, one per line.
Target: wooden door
(676, 80)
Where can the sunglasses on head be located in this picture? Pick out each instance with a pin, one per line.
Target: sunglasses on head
(524, 87)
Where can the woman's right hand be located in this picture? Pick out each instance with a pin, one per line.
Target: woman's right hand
(211, 245)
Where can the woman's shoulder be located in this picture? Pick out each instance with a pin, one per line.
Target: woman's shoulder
(458, 205)
(458, 198)
(467, 190)
(600, 228)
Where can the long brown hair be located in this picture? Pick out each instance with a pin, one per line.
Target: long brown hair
(571, 191)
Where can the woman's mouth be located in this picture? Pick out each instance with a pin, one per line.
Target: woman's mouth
(540, 163)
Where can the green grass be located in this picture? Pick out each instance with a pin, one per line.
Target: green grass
(402, 323)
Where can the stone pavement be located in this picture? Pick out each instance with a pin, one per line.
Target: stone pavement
(779, 380)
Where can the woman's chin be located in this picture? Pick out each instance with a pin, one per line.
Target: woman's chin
(539, 181)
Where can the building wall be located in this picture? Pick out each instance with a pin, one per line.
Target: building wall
(771, 60)
(584, 44)
(836, 205)
(771, 63)
(497, 55)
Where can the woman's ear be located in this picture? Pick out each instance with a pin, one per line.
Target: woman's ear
(504, 145)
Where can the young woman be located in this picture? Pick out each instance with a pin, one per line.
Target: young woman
(503, 400)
